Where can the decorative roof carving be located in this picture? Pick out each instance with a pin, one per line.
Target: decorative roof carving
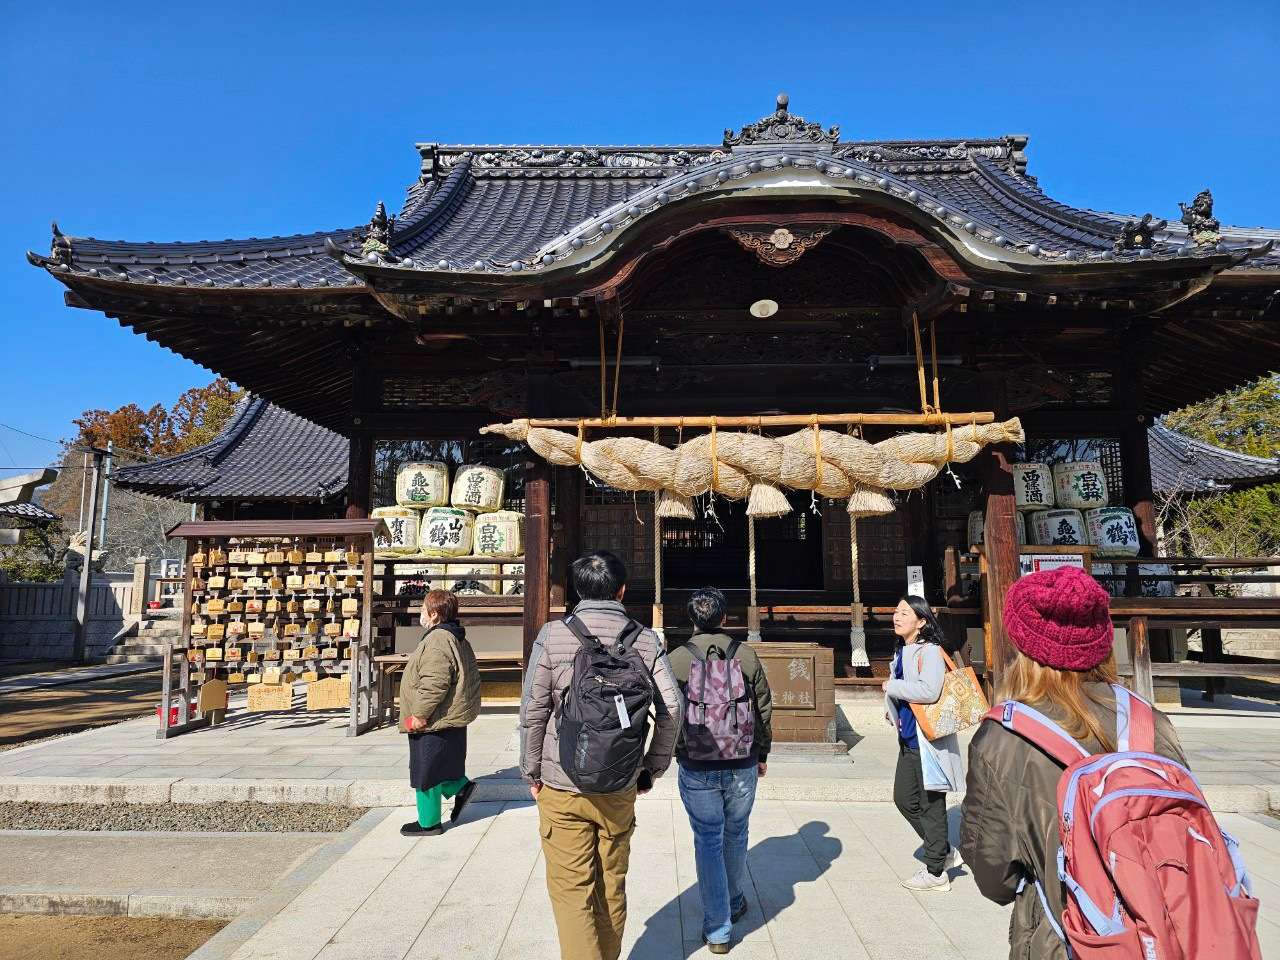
(1200, 220)
(781, 247)
(377, 237)
(576, 157)
(1139, 234)
(782, 127)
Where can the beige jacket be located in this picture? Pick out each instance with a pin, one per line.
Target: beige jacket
(441, 683)
(548, 674)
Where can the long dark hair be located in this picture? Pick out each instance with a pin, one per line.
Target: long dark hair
(931, 631)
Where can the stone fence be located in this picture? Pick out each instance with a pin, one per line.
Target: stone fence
(38, 620)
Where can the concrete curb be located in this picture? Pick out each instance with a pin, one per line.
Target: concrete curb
(1224, 798)
(185, 905)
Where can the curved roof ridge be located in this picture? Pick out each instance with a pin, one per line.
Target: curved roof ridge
(1054, 215)
(110, 250)
(1193, 445)
(443, 200)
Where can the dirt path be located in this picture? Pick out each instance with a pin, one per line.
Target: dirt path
(55, 711)
(31, 937)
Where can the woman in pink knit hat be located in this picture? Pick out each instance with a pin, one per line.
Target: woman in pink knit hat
(1060, 623)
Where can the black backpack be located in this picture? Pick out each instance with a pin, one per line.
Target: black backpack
(603, 717)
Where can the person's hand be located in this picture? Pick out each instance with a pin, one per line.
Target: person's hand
(535, 788)
(762, 768)
(644, 784)
(885, 686)
(411, 722)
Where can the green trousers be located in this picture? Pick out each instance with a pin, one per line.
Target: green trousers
(429, 801)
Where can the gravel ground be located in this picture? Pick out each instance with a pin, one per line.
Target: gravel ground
(232, 817)
(38, 937)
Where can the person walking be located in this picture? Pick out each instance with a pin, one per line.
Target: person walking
(439, 696)
(1064, 667)
(586, 834)
(926, 769)
(722, 753)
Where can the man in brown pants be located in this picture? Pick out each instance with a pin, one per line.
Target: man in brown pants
(586, 837)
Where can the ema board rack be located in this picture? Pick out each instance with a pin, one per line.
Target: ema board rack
(268, 604)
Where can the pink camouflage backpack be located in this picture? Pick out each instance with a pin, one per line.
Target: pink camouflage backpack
(719, 717)
(1148, 872)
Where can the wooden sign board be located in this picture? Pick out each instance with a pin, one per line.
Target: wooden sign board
(792, 680)
(213, 696)
(270, 696)
(329, 694)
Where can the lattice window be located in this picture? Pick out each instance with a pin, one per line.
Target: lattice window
(882, 551)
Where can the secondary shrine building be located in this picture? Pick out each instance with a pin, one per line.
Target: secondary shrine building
(780, 272)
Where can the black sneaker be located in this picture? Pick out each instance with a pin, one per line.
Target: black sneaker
(715, 947)
(415, 829)
(461, 800)
(740, 912)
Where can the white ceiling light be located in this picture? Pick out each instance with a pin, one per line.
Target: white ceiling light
(764, 308)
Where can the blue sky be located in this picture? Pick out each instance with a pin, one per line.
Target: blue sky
(163, 121)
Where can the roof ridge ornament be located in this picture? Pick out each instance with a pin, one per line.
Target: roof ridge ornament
(1138, 234)
(782, 127)
(377, 237)
(1200, 220)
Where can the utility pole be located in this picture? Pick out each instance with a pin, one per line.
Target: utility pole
(106, 494)
(86, 571)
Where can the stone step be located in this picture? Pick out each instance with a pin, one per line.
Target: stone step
(131, 658)
(167, 634)
(144, 649)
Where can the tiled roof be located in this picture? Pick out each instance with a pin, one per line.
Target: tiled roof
(503, 209)
(1180, 464)
(264, 452)
(28, 511)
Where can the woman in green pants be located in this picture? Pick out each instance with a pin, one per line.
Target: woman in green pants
(439, 696)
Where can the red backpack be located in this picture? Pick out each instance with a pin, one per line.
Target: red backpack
(1148, 872)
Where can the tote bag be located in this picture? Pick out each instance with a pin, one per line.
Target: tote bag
(961, 705)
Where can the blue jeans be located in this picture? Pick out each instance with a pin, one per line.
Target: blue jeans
(719, 806)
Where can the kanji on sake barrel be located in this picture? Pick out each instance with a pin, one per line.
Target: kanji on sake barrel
(463, 579)
(423, 484)
(499, 534)
(402, 527)
(478, 488)
(1058, 528)
(1080, 485)
(1113, 532)
(447, 532)
(1032, 486)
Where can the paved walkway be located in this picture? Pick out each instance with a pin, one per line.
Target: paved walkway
(307, 757)
(824, 884)
(61, 678)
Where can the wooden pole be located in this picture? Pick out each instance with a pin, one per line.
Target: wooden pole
(1140, 656)
(567, 542)
(1000, 538)
(822, 419)
(359, 476)
(537, 561)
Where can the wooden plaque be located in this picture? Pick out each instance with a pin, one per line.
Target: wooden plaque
(213, 696)
(270, 696)
(329, 694)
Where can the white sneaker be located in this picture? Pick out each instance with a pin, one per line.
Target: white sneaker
(926, 882)
(953, 859)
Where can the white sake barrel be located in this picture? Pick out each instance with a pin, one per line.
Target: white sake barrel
(1156, 588)
(513, 588)
(419, 579)
(446, 532)
(402, 522)
(460, 579)
(1080, 485)
(500, 534)
(1032, 486)
(1113, 532)
(1058, 528)
(977, 528)
(1113, 587)
(478, 488)
(422, 485)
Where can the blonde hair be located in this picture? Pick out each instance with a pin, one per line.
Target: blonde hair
(1034, 684)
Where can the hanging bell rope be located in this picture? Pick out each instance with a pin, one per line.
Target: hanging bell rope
(753, 610)
(659, 623)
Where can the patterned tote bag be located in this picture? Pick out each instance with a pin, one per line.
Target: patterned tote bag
(961, 705)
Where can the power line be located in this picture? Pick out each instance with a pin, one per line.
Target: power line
(31, 435)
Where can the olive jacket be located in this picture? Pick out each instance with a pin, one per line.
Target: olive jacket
(441, 683)
(1009, 822)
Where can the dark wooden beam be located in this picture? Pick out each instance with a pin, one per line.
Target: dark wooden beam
(1000, 537)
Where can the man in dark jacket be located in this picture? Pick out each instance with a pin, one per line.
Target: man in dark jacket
(719, 793)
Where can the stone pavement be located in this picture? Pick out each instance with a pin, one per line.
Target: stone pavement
(61, 678)
(824, 883)
(1232, 748)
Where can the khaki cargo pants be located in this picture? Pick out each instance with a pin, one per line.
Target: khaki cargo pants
(586, 840)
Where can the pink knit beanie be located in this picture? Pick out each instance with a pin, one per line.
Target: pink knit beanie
(1060, 618)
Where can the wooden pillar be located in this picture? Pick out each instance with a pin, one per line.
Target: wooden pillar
(1135, 455)
(567, 542)
(359, 475)
(537, 557)
(1211, 644)
(921, 544)
(1140, 658)
(1000, 533)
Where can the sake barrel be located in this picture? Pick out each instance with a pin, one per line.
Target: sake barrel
(500, 534)
(461, 579)
(478, 488)
(423, 484)
(418, 579)
(513, 588)
(1113, 531)
(977, 529)
(1058, 528)
(1152, 587)
(1081, 485)
(1032, 486)
(447, 532)
(402, 522)
(1106, 570)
